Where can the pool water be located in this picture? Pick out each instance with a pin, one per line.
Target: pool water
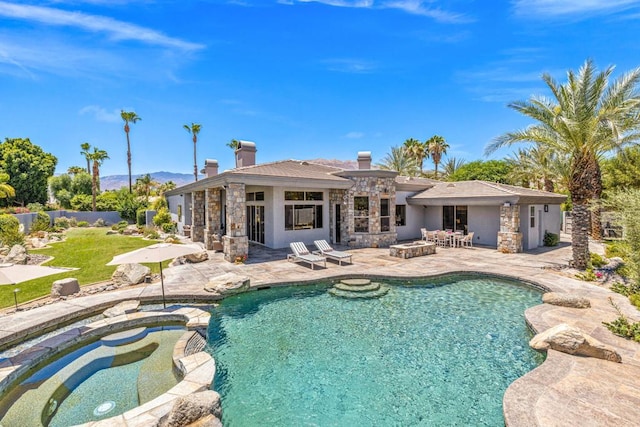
(437, 353)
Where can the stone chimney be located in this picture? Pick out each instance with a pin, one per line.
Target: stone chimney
(210, 167)
(245, 154)
(364, 160)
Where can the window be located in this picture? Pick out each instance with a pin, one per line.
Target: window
(532, 216)
(257, 196)
(303, 195)
(302, 217)
(401, 215)
(384, 215)
(361, 214)
(179, 212)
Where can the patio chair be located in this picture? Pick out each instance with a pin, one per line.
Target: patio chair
(424, 233)
(301, 253)
(467, 240)
(326, 250)
(442, 238)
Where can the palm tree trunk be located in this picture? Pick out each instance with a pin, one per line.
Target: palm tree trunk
(548, 184)
(580, 224)
(195, 160)
(583, 170)
(88, 166)
(436, 164)
(596, 211)
(94, 185)
(128, 156)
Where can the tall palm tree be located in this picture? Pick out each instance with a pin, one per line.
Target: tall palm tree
(129, 117)
(400, 161)
(97, 157)
(436, 146)
(416, 150)
(75, 170)
(586, 118)
(85, 146)
(194, 130)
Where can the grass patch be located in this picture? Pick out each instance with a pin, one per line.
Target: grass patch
(88, 249)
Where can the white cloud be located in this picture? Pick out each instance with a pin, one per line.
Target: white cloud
(570, 7)
(348, 65)
(354, 135)
(415, 7)
(101, 114)
(117, 30)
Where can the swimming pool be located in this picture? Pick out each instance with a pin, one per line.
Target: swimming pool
(429, 352)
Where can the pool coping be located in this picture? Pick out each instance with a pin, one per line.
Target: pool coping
(197, 369)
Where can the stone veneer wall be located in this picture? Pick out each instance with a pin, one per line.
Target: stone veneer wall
(236, 241)
(338, 197)
(212, 228)
(374, 188)
(509, 236)
(197, 217)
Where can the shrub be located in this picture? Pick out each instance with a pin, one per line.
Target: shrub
(42, 222)
(81, 202)
(635, 300)
(10, 230)
(35, 207)
(551, 239)
(83, 223)
(621, 288)
(162, 217)
(169, 227)
(622, 327)
(587, 276)
(141, 217)
(150, 233)
(62, 222)
(73, 221)
(597, 261)
(616, 249)
(160, 203)
(100, 223)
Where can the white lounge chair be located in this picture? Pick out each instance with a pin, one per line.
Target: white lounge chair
(467, 240)
(301, 253)
(325, 249)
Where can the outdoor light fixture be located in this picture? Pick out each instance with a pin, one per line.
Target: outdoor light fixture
(507, 204)
(15, 297)
(546, 208)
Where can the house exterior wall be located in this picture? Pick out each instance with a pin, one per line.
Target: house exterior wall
(433, 217)
(484, 221)
(282, 237)
(269, 213)
(550, 221)
(415, 218)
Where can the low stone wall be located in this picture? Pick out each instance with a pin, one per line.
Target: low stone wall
(411, 250)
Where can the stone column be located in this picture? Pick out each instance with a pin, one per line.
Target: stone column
(339, 197)
(509, 236)
(197, 216)
(212, 229)
(236, 241)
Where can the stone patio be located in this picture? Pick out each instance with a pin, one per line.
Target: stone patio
(565, 390)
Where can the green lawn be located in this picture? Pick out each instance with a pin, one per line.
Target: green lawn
(87, 249)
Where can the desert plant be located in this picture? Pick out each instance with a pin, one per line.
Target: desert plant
(597, 261)
(35, 207)
(621, 288)
(150, 233)
(10, 230)
(627, 204)
(622, 327)
(141, 217)
(162, 217)
(588, 275)
(83, 223)
(169, 227)
(42, 222)
(551, 239)
(62, 222)
(100, 223)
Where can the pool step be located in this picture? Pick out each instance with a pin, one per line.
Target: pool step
(358, 289)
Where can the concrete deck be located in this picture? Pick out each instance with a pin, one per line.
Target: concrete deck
(565, 390)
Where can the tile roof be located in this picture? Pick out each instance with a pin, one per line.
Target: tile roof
(290, 169)
(480, 189)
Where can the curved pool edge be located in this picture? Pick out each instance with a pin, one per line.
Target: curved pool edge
(197, 368)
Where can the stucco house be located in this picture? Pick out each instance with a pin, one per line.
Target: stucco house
(274, 204)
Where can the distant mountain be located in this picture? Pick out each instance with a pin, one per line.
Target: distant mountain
(114, 182)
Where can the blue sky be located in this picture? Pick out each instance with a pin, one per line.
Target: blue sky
(302, 78)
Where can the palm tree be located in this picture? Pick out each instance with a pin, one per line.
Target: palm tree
(163, 188)
(194, 129)
(535, 165)
(85, 146)
(586, 118)
(6, 190)
(452, 166)
(144, 185)
(129, 117)
(416, 150)
(75, 170)
(233, 144)
(436, 146)
(400, 161)
(97, 157)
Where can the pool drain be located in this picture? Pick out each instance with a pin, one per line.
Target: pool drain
(104, 408)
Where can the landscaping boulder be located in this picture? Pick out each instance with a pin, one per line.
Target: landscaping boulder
(17, 255)
(65, 287)
(197, 257)
(570, 340)
(197, 409)
(112, 232)
(130, 230)
(227, 284)
(565, 300)
(125, 307)
(130, 274)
